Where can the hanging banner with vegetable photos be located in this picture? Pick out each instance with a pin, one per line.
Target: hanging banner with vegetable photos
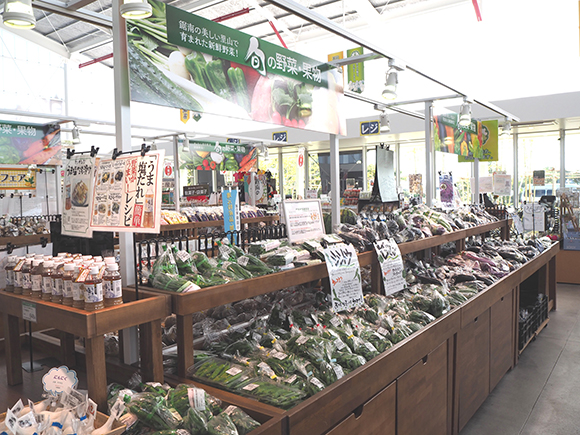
(127, 193)
(29, 144)
(181, 60)
(490, 143)
(344, 275)
(450, 137)
(221, 156)
(79, 176)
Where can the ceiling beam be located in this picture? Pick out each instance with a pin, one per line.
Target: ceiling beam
(43, 41)
(58, 7)
(365, 10)
(270, 17)
(75, 5)
(79, 46)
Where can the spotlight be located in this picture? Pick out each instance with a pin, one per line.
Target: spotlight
(76, 139)
(185, 148)
(19, 14)
(385, 123)
(506, 128)
(465, 114)
(390, 92)
(135, 9)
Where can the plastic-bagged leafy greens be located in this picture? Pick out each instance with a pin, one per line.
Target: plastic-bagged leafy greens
(243, 422)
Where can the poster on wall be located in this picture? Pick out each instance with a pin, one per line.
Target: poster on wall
(344, 275)
(127, 193)
(220, 156)
(192, 63)
(30, 144)
(303, 220)
(490, 143)
(79, 175)
(502, 184)
(450, 137)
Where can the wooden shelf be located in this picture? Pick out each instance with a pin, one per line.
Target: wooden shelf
(218, 223)
(146, 312)
(33, 239)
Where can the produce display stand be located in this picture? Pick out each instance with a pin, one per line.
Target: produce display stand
(146, 312)
(22, 241)
(185, 304)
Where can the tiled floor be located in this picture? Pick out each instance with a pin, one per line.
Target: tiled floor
(541, 396)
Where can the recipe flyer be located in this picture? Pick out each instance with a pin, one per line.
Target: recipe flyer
(127, 193)
(344, 275)
(303, 220)
(79, 176)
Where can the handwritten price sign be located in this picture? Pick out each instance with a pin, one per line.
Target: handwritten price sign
(345, 279)
(391, 263)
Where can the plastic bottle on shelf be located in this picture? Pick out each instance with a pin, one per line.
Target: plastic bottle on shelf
(18, 275)
(110, 260)
(78, 287)
(26, 279)
(98, 258)
(148, 218)
(36, 278)
(87, 257)
(94, 291)
(112, 287)
(57, 282)
(67, 284)
(47, 280)
(102, 267)
(9, 269)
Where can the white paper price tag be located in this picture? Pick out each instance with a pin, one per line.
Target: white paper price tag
(29, 311)
(196, 398)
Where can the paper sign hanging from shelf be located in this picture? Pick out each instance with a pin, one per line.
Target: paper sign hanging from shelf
(485, 184)
(502, 184)
(344, 275)
(534, 217)
(127, 194)
(79, 176)
(391, 262)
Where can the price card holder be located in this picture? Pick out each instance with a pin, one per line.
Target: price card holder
(29, 311)
(391, 262)
(344, 275)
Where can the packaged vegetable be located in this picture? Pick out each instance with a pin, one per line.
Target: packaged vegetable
(267, 391)
(151, 410)
(222, 425)
(243, 422)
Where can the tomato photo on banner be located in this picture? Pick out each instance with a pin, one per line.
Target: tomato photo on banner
(450, 137)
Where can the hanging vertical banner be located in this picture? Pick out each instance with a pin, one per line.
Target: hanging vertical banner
(231, 206)
(127, 193)
(344, 275)
(391, 262)
(184, 115)
(79, 177)
(446, 188)
(356, 71)
(450, 137)
(385, 183)
(489, 144)
(416, 184)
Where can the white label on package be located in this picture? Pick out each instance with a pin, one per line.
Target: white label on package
(338, 370)
(230, 409)
(339, 344)
(391, 263)
(370, 347)
(383, 331)
(196, 398)
(345, 278)
(316, 383)
(280, 355)
(335, 321)
(291, 379)
(302, 340)
(251, 387)
(243, 261)
(233, 371)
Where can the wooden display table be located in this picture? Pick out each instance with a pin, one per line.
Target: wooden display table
(146, 312)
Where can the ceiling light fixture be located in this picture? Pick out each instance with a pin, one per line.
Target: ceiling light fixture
(185, 148)
(392, 79)
(506, 128)
(18, 14)
(76, 138)
(465, 114)
(385, 123)
(136, 9)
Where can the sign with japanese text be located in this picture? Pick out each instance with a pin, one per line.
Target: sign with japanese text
(226, 72)
(231, 205)
(303, 220)
(391, 262)
(197, 190)
(450, 137)
(534, 217)
(490, 143)
(300, 160)
(17, 179)
(344, 275)
(370, 127)
(27, 144)
(502, 184)
(280, 136)
(127, 193)
(79, 177)
(539, 177)
(356, 71)
(221, 156)
(233, 140)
